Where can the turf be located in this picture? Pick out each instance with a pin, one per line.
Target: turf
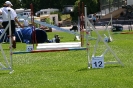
(69, 69)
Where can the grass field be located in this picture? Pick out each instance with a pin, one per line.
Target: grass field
(69, 69)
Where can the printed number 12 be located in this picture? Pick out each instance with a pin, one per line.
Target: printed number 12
(98, 64)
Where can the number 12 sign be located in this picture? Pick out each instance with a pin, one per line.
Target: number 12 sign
(97, 62)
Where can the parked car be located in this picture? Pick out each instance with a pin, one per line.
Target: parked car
(117, 27)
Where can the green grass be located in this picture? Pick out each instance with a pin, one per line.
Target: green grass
(68, 69)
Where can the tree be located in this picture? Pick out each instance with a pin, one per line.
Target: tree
(91, 5)
(44, 4)
(16, 4)
(36, 4)
(2, 2)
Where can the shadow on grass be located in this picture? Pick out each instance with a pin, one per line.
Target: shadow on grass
(118, 66)
(6, 49)
(107, 67)
(84, 69)
(4, 73)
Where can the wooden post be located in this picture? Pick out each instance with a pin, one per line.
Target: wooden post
(81, 18)
(33, 26)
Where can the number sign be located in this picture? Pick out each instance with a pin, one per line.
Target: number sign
(29, 48)
(97, 62)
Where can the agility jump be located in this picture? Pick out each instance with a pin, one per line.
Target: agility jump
(7, 63)
(92, 60)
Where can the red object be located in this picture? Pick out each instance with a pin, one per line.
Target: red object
(33, 28)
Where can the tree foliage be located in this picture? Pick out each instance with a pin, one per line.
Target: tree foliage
(16, 3)
(92, 5)
(43, 4)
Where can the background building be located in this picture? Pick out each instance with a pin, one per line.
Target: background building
(108, 6)
(129, 2)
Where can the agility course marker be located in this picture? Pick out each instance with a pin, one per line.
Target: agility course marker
(55, 46)
(62, 43)
(98, 62)
(7, 64)
(33, 26)
(17, 31)
(54, 50)
(29, 48)
(88, 31)
(108, 48)
(77, 37)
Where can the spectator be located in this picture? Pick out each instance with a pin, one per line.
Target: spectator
(4, 11)
(94, 19)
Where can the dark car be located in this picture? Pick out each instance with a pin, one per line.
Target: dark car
(117, 27)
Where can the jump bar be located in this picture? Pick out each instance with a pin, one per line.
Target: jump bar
(37, 51)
